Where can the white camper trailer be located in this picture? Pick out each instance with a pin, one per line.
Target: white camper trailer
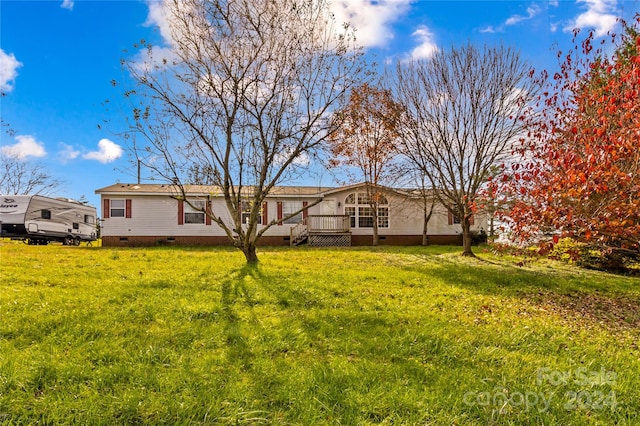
(39, 220)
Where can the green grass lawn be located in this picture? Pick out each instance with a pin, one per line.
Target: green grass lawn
(415, 336)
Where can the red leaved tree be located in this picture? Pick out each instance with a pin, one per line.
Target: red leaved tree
(366, 142)
(579, 174)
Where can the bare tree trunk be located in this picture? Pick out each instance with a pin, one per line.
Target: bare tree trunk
(250, 254)
(374, 212)
(427, 211)
(466, 237)
(425, 227)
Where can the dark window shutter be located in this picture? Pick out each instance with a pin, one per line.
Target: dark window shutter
(207, 215)
(265, 213)
(127, 208)
(305, 212)
(450, 218)
(279, 212)
(472, 219)
(105, 209)
(180, 212)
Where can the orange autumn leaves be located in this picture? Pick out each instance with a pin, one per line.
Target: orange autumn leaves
(579, 173)
(367, 135)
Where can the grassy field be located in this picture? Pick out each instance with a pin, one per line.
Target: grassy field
(411, 336)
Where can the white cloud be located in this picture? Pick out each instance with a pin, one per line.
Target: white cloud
(372, 19)
(158, 17)
(67, 153)
(285, 153)
(8, 71)
(488, 29)
(107, 152)
(147, 60)
(427, 46)
(27, 146)
(67, 4)
(532, 12)
(600, 15)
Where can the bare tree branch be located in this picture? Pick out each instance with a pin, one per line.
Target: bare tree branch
(464, 112)
(19, 177)
(245, 94)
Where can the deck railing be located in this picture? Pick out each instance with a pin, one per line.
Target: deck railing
(328, 223)
(297, 232)
(315, 224)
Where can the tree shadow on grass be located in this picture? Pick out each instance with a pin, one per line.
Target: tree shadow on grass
(235, 289)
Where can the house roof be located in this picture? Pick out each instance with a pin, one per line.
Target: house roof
(125, 189)
(381, 188)
(200, 190)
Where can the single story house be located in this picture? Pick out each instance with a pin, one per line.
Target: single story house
(153, 214)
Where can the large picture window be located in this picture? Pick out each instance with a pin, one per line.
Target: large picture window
(358, 207)
(290, 207)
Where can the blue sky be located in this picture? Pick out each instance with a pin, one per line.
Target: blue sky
(58, 58)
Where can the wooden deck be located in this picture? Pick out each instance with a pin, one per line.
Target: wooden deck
(322, 230)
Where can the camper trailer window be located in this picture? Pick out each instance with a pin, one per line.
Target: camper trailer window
(88, 219)
(117, 208)
(196, 215)
(45, 214)
(76, 226)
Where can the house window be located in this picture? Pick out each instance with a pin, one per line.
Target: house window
(117, 208)
(290, 207)
(365, 217)
(246, 212)
(361, 212)
(194, 214)
(455, 218)
(45, 214)
(351, 212)
(351, 199)
(363, 198)
(383, 217)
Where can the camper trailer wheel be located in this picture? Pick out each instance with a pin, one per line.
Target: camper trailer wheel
(68, 241)
(76, 241)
